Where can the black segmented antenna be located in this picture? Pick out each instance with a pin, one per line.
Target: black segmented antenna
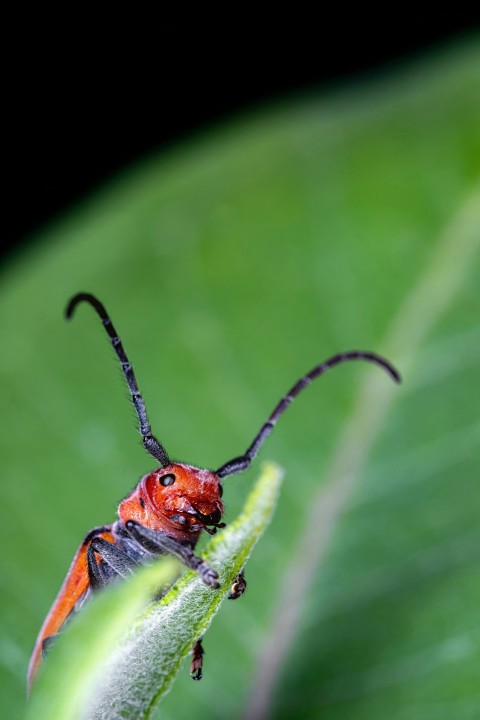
(243, 461)
(150, 442)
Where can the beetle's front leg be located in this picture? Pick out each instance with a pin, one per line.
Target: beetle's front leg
(159, 542)
(116, 561)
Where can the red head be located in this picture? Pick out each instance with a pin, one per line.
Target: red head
(179, 499)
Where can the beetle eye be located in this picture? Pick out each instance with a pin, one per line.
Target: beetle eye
(167, 480)
(220, 490)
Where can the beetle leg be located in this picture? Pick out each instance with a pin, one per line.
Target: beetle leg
(158, 542)
(239, 586)
(117, 562)
(197, 660)
(48, 642)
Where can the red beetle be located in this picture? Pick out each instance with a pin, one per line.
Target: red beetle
(166, 512)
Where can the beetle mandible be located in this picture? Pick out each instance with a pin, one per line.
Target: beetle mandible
(168, 509)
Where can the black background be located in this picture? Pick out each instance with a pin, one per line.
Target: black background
(84, 100)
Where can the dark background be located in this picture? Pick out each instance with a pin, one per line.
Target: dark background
(83, 103)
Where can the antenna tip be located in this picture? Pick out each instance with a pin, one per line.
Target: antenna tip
(384, 363)
(76, 300)
(393, 371)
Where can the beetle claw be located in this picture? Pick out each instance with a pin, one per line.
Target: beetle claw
(209, 576)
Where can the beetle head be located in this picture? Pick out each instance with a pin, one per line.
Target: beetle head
(177, 498)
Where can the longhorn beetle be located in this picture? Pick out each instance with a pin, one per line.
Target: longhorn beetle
(168, 509)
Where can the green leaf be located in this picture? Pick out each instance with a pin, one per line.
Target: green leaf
(97, 672)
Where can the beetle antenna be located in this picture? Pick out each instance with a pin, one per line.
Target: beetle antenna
(242, 462)
(150, 442)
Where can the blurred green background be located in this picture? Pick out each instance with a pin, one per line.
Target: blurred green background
(231, 265)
